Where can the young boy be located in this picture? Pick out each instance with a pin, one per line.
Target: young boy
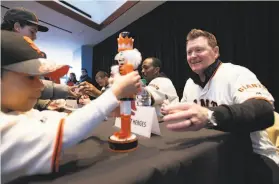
(32, 140)
(26, 23)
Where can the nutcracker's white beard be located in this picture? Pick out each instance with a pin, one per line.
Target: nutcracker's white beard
(131, 56)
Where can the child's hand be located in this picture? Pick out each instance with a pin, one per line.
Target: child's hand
(126, 85)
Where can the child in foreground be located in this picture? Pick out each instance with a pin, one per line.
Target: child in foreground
(33, 140)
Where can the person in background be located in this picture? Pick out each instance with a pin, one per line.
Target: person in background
(22, 21)
(84, 76)
(26, 23)
(72, 80)
(102, 79)
(86, 87)
(159, 87)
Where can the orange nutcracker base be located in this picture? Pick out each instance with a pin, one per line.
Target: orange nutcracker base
(123, 140)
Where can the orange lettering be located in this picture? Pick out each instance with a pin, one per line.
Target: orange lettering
(248, 86)
(240, 89)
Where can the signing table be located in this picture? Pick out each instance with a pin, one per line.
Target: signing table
(188, 157)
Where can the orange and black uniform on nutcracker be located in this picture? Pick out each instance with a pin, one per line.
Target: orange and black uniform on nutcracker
(128, 60)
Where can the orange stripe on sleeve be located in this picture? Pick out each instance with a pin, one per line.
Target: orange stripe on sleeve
(57, 147)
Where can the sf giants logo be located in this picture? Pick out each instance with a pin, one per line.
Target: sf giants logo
(249, 86)
(206, 103)
(155, 86)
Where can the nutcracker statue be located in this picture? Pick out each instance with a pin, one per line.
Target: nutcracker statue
(128, 60)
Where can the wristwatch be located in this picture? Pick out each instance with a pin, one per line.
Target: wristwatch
(211, 118)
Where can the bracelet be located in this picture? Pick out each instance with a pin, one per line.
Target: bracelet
(211, 118)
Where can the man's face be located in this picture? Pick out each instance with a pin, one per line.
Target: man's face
(200, 54)
(148, 70)
(102, 81)
(83, 73)
(28, 30)
(19, 92)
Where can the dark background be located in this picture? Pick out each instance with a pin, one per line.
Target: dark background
(247, 34)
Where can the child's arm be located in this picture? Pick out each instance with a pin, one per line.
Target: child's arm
(32, 143)
(81, 122)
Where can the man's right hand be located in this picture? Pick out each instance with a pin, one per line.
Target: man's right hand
(72, 91)
(88, 89)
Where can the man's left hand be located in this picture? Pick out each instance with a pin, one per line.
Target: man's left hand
(185, 117)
